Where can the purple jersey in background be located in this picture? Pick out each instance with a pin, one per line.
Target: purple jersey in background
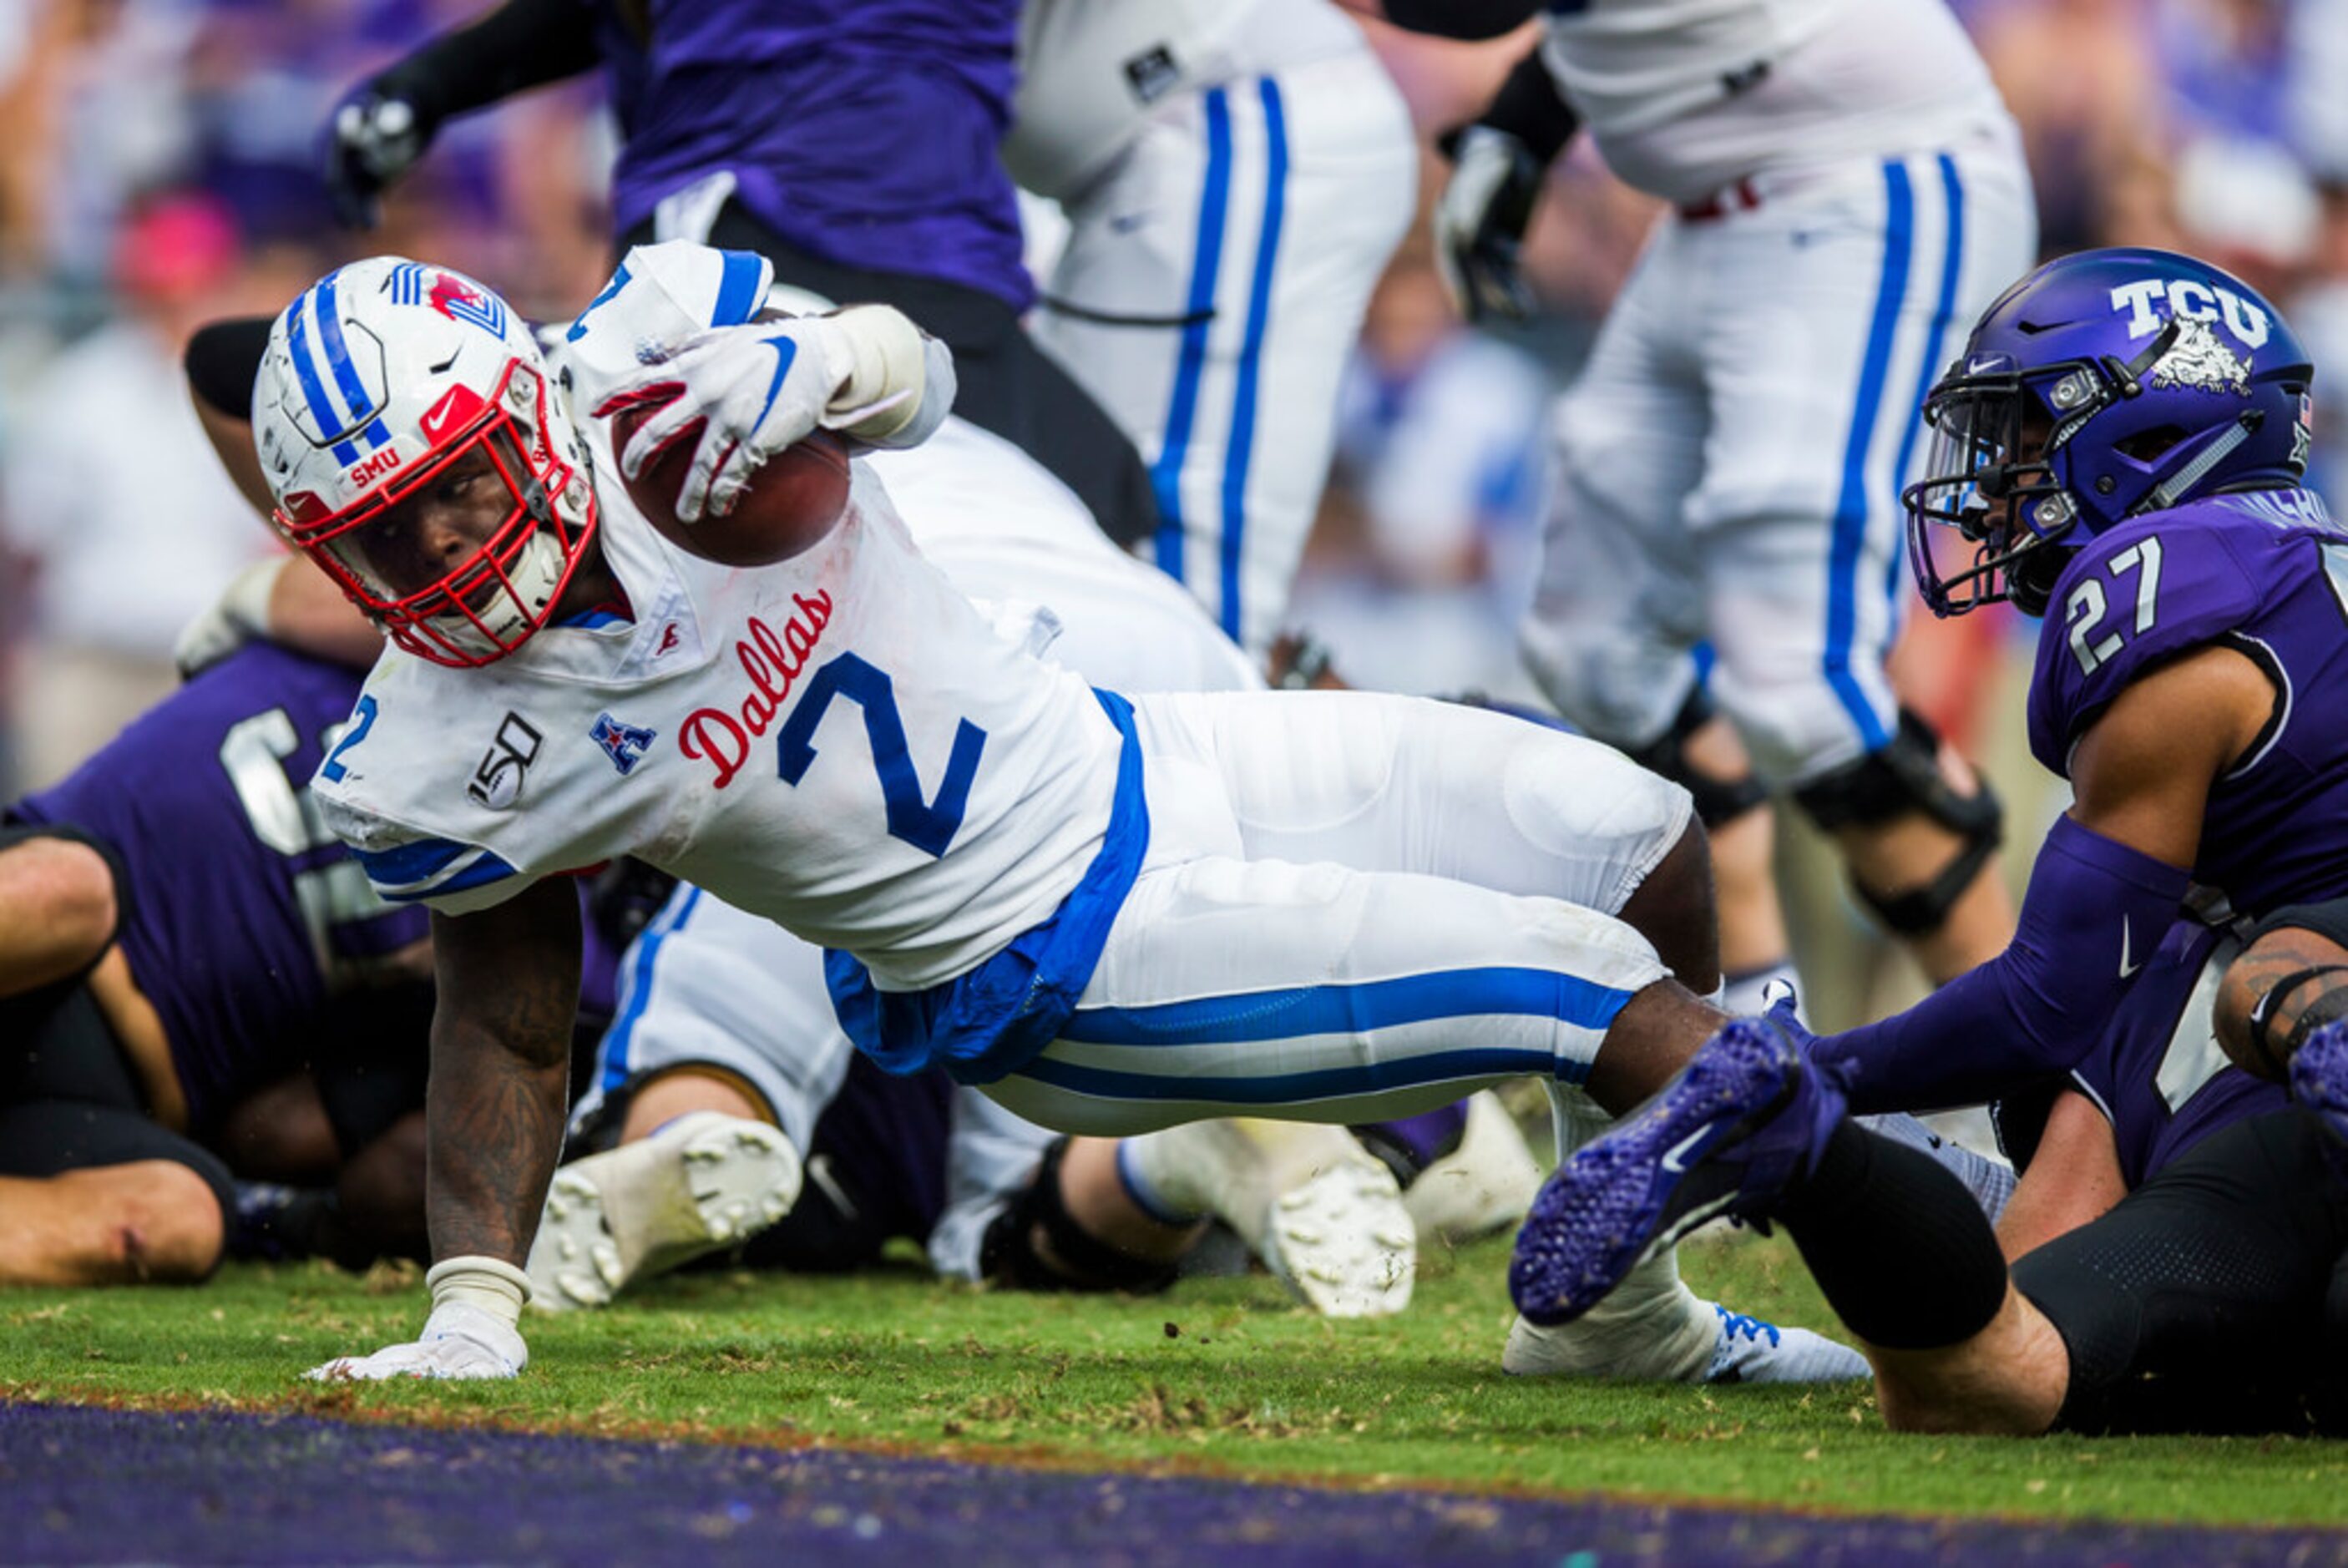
(2159, 1074)
(2265, 572)
(245, 913)
(863, 131)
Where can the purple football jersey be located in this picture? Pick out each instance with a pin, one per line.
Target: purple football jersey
(863, 131)
(886, 1135)
(2158, 1073)
(2265, 572)
(245, 913)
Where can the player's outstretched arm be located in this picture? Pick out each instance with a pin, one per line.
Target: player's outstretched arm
(509, 989)
(2108, 882)
(385, 123)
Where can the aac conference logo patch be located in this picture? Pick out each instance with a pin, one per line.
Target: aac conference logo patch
(624, 743)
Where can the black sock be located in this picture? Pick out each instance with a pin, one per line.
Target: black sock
(1903, 1253)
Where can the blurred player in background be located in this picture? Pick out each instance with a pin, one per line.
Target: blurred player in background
(852, 144)
(1235, 174)
(1844, 185)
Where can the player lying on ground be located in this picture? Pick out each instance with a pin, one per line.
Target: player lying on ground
(1112, 915)
(2124, 437)
(179, 932)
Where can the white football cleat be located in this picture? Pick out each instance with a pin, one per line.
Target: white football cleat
(1325, 1214)
(1653, 1329)
(703, 1181)
(1483, 1186)
(1752, 1351)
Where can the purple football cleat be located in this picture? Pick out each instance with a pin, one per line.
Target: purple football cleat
(1745, 1116)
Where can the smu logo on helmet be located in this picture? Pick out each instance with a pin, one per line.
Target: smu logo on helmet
(2188, 299)
(451, 296)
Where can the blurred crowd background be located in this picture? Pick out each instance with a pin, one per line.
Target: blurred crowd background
(158, 167)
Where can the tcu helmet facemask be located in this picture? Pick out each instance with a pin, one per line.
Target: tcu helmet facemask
(2103, 385)
(392, 393)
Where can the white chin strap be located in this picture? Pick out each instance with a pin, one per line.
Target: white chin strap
(535, 574)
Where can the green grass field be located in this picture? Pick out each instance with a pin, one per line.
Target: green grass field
(1221, 1375)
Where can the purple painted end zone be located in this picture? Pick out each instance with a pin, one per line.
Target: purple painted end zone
(105, 1486)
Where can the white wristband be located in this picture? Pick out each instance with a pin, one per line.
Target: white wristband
(886, 383)
(489, 1285)
(245, 599)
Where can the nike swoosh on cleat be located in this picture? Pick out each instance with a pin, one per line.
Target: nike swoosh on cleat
(1672, 1161)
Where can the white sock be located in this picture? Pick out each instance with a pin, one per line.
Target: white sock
(1741, 994)
(1156, 1185)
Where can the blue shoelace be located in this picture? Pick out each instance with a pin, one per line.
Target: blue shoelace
(1737, 1324)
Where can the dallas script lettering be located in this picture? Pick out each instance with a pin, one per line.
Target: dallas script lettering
(773, 664)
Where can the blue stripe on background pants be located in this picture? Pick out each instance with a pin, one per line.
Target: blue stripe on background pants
(1730, 460)
(1356, 906)
(1240, 236)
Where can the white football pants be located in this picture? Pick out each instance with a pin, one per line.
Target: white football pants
(1730, 460)
(1356, 906)
(1215, 280)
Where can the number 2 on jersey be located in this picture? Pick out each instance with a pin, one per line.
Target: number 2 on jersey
(2085, 610)
(928, 825)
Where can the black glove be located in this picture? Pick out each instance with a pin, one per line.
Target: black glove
(378, 131)
(372, 137)
(1480, 223)
(1497, 165)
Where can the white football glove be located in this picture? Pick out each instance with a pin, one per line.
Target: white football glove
(866, 371)
(240, 615)
(475, 1304)
(759, 389)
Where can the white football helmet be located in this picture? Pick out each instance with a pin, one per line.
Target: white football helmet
(378, 379)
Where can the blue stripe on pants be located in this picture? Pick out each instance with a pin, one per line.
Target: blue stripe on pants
(1944, 310)
(1292, 1088)
(1214, 201)
(622, 1034)
(1851, 506)
(1352, 1009)
(1242, 436)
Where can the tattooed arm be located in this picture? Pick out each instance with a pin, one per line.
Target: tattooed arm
(509, 990)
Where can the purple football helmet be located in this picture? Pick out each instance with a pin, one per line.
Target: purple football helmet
(2103, 385)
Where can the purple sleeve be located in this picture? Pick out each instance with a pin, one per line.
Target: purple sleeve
(2094, 911)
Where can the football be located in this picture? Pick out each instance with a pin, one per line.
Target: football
(790, 504)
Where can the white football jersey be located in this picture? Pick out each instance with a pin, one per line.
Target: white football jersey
(1684, 98)
(1017, 540)
(839, 742)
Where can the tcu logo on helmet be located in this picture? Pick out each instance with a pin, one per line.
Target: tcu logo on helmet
(2189, 300)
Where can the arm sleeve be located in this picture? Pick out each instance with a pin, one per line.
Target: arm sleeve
(2094, 911)
(662, 297)
(223, 360)
(522, 44)
(1529, 108)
